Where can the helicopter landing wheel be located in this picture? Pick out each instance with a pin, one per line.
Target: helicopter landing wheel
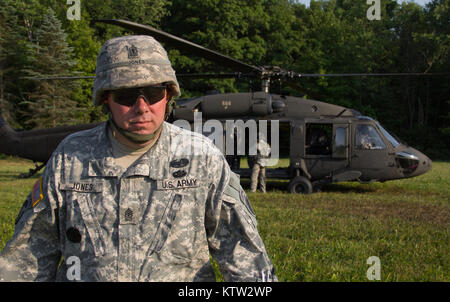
(317, 187)
(300, 185)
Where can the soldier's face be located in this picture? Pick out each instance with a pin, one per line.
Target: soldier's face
(141, 117)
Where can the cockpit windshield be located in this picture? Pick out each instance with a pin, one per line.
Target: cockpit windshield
(386, 134)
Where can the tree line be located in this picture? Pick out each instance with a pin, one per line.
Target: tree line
(38, 40)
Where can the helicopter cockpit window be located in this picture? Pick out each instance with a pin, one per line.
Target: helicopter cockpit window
(390, 138)
(367, 138)
(318, 139)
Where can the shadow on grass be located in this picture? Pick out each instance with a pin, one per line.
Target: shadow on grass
(348, 188)
(9, 176)
(282, 185)
(6, 176)
(271, 185)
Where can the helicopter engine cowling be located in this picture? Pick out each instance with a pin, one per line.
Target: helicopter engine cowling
(226, 105)
(229, 105)
(236, 104)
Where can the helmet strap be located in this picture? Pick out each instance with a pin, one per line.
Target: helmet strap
(169, 107)
(134, 137)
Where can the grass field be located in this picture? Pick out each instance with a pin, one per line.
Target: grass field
(327, 236)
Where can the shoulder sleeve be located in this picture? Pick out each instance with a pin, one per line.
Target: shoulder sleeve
(32, 254)
(232, 231)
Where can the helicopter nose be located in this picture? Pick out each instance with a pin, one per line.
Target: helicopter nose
(425, 163)
(413, 162)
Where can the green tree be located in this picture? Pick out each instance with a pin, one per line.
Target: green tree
(50, 103)
(257, 32)
(141, 11)
(5, 36)
(17, 21)
(423, 47)
(86, 38)
(81, 38)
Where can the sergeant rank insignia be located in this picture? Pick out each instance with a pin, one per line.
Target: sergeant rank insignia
(132, 52)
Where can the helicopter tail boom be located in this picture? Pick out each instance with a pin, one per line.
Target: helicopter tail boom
(8, 138)
(36, 145)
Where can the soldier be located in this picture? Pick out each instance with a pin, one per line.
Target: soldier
(258, 165)
(363, 138)
(125, 201)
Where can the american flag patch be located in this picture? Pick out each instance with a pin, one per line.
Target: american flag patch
(36, 193)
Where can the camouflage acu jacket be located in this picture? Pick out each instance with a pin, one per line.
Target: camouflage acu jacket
(160, 220)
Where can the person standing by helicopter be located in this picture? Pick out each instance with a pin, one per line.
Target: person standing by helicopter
(125, 201)
(258, 164)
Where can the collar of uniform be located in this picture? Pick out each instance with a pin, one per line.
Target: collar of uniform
(103, 163)
(152, 162)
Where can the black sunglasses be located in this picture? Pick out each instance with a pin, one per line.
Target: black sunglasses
(128, 96)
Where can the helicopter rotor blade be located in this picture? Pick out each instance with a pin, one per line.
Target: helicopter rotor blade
(302, 90)
(264, 72)
(368, 74)
(289, 75)
(59, 78)
(183, 45)
(276, 72)
(235, 75)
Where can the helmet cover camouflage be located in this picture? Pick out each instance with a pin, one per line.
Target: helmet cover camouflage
(132, 61)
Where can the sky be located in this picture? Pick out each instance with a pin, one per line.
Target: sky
(420, 2)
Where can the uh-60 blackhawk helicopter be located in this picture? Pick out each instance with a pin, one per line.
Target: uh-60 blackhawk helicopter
(326, 143)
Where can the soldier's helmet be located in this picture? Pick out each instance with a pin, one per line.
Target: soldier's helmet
(132, 61)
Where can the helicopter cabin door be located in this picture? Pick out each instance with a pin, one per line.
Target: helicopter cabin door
(323, 155)
(340, 141)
